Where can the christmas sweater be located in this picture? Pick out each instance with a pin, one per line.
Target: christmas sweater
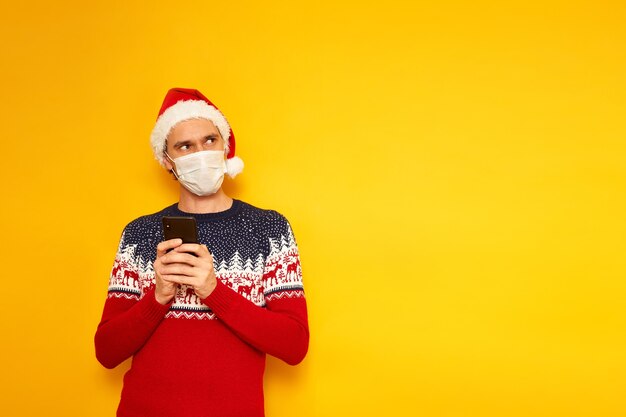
(205, 357)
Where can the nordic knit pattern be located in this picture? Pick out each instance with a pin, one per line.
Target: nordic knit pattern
(205, 357)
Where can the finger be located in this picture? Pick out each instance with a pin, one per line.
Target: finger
(157, 265)
(198, 250)
(177, 269)
(166, 245)
(175, 257)
(179, 279)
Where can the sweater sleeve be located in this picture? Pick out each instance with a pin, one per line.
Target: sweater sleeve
(128, 318)
(281, 327)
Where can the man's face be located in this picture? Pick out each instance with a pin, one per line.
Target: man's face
(192, 136)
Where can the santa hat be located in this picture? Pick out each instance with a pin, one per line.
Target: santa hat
(182, 104)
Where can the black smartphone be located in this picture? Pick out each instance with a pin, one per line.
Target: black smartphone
(180, 227)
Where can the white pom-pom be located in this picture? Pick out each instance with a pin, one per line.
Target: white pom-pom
(234, 166)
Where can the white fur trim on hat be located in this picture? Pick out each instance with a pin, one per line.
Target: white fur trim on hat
(181, 111)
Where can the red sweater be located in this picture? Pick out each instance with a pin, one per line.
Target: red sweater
(205, 357)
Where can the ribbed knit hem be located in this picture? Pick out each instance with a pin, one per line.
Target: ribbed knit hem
(151, 310)
(232, 211)
(221, 299)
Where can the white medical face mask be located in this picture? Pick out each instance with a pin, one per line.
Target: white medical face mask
(201, 172)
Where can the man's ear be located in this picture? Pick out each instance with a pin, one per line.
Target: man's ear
(166, 160)
(168, 164)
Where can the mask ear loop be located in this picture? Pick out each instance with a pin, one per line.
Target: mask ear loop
(226, 145)
(173, 163)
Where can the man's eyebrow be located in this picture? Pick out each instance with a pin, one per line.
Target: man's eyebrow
(189, 142)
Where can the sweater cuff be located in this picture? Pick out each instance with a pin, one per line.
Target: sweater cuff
(221, 299)
(151, 310)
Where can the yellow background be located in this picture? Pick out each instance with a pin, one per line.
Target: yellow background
(453, 171)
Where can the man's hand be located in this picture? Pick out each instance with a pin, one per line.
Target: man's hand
(165, 290)
(180, 266)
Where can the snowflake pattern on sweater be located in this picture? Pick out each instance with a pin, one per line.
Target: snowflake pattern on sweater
(254, 254)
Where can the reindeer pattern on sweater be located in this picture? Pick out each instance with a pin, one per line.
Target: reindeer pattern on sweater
(254, 254)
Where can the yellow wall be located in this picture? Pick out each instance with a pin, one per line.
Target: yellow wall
(454, 173)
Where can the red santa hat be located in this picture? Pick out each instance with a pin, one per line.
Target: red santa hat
(182, 104)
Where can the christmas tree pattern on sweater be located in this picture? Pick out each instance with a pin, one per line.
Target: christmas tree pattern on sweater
(254, 254)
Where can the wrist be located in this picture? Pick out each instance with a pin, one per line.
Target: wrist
(205, 292)
(161, 299)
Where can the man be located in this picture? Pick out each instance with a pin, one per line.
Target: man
(198, 319)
